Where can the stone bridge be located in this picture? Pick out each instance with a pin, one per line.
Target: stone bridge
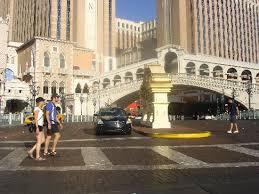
(218, 75)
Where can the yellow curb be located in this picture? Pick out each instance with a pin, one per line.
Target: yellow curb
(178, 135)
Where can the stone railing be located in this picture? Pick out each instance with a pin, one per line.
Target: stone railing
(118, 90)
(212, 83)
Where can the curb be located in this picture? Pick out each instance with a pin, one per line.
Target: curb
(205, 134)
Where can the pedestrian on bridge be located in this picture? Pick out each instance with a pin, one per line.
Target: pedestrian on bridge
(233, 112)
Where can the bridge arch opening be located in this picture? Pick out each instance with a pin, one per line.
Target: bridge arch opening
(128, 77)
(218, 71)
(190, 68)
(140, 73)
(232, 73)
(171, 63)
(246, 76)
(204, 70)
(257, 78)
(106, 83)
(117, 80)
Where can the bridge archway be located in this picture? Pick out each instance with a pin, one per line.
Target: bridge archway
(106, 83)
(117, 80)
(128, 77)
(204, 70)
(126, 100)
(246, 75)
(257, 78)
(140, 73)
(232, 73)
(218, 71)
(171, 63)
(191, 68)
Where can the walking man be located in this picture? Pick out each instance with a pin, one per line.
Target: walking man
(53, 125)
(233, 111)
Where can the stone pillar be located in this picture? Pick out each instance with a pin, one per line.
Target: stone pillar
(154, 92)
(161, 119)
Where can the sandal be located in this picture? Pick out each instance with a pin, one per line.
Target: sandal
(40, 159)
(46, 154)
(30, 155)
(53, 153)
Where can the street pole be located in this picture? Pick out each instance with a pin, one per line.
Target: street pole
(249, 92)
(99, 97)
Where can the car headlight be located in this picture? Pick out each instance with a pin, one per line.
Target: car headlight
(100, 122)
(129, 121)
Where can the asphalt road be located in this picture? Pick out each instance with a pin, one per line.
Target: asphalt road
(116, 164)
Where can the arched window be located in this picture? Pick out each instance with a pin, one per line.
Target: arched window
(9, 74)
(62, 88)
(190, 68)
(46, 60)
(86, 89)
(46, 87)
(78, 89)
(218, 71)
(54, 88)
(247, 75)
(204, 70)
(62, 61)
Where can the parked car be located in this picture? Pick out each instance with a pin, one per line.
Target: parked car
(110, 120)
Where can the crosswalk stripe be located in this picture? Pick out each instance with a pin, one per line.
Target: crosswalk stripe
(95, 157)
(13, 159)
(239, 149)
(177, 156)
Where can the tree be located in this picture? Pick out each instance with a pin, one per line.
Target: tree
(15, 105)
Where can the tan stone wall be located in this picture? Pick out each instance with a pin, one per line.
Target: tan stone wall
(83, 59)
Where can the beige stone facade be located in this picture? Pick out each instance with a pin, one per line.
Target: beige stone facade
(136, 41)
(221, 28)
(54, 69)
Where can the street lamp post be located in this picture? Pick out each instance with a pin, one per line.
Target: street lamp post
(81, 101)
(249, 92)
(94, 103)
(34, 92)
(223, 101)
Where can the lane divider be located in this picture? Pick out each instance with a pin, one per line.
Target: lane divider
(205, 134)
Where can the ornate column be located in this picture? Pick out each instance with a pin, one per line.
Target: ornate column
(154, 92)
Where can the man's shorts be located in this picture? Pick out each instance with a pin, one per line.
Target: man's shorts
(232, 119)
(54, 129)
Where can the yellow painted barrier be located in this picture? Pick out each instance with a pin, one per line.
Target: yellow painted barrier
(177, 135)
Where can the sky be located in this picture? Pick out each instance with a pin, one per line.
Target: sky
(136, 10)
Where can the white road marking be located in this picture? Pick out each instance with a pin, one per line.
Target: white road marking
(95, 159)
(13, 159)
(82, 140)
(177, 156)
(237, 148)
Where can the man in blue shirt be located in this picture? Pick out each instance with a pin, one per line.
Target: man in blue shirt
(233, 111)
(52, 125)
